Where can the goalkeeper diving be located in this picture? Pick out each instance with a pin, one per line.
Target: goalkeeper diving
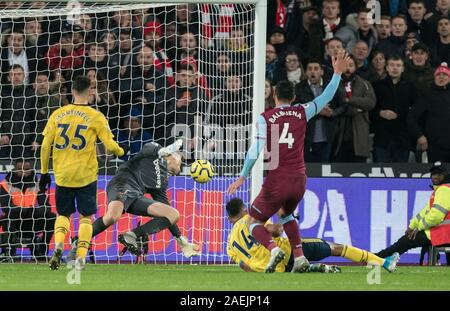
(147, 172)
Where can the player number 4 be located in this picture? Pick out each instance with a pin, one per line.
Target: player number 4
(286, 137)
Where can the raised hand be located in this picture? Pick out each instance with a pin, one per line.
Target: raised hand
(340, 62)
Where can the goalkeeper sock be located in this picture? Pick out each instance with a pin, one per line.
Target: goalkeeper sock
(293, 234)
(358, 255)
(84, 236)
(153, 226)
(175, 231)
(62, 225)
(98, 226)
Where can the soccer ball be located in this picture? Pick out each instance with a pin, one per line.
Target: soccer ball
(202, 171)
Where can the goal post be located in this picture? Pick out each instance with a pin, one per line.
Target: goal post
(63, 39)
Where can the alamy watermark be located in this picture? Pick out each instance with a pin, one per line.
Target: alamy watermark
(374, 15)
(73, 277)
(374, 275)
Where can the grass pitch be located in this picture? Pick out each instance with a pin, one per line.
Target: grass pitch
(207, 278)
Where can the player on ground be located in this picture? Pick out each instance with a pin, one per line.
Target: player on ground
(251, 256)
(71, 133)
(146, 172)
(284, 129)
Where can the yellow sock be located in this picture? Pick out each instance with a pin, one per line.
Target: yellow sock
(84, 236)
(62, 226)
(358, 255)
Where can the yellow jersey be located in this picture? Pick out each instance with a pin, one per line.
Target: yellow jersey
(71, 133)
(242, 247)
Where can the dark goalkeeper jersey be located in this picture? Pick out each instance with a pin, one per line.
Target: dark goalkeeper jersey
(145, 172)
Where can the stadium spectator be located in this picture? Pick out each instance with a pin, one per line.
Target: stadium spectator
(231, 111)
(35, 38)
(18, 116)
(102, 98)
(331, 20)
(440, 51)
(411, 39)
(85, 22)
(97, 57)
(188, 46)
(143, 80)
(184, 102)
(46, 103)
(132, 134)
(308, 38)
(125, 50)
(351, 142)
(277, 37)
(416, 18)
(377, 67)
(282, 14)
(383, 28)
(269, 102)
(394, 97)
(14, 51)
(429, 120)
(68, 54)
(290, 68)
(332, 48)
(112, 47)
(320, 130)
(27, 211)
(418, 70)
(396, 43)
(364, 32)
(361, 54)
(271, 61)
(442, 9)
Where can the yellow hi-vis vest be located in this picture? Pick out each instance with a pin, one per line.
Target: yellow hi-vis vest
(19, 198)
(440, 234)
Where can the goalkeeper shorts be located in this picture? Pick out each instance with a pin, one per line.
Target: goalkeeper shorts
(84, 197)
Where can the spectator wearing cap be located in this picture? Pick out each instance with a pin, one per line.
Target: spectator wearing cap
(396, 43)
(277, 37)
(388, 119)
(411, 39)
(431, 226)
(14, 51)
(308, 35)
(133, 134)
(440, 51)
(364, 32)
(418, 70)
(68, 54)
(383, 28)
(416, 20)
(429, 119)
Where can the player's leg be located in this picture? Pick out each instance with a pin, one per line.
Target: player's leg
(65, 206)
(86, 198)
(364, 257)
(404, 244)
(264, 207)
(290, 225)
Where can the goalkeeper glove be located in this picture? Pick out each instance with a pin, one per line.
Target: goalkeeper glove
(167, 151)
(44, 182)
(125, 147)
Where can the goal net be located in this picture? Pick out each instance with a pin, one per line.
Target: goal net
(158, 72)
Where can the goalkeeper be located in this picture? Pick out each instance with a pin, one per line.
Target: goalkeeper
(72, 131)
(146, 172)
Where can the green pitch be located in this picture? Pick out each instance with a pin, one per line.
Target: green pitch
(200, 277)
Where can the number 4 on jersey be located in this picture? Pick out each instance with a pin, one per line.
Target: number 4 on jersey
(286, 137)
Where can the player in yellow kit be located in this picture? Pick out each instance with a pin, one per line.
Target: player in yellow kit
(253, 257)
(71, 133)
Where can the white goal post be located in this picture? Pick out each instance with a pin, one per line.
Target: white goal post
(200, 202)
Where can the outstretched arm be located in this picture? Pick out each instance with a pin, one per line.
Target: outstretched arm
(259, 141)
